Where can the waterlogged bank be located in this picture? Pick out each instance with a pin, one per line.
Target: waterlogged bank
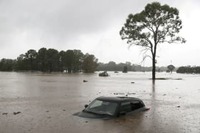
(44, 103)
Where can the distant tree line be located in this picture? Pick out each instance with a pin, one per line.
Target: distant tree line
(188, 69)
(51, 60)
(112, 66)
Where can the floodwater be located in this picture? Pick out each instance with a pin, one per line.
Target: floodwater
(45, 103)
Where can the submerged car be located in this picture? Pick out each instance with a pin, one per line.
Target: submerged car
(103, 74)
(105, 107)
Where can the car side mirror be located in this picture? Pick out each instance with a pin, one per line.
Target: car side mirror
(122, 113)
(86, 106)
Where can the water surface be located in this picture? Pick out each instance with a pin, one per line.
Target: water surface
(46, 102)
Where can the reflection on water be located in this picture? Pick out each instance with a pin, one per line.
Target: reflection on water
(47, 102)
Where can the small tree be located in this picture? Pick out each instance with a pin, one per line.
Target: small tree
(154, 25)
(171, 68)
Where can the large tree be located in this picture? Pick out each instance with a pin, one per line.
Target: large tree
(154, 25)
(69, 60)
(30, 58)
(21, 63)
(7, 64)
(78, 58)
(52, 60)
(89, 63)
(42, 59)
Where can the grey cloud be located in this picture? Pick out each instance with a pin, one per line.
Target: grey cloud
(63, 19)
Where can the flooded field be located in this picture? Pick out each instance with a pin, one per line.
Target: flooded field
(45, 103)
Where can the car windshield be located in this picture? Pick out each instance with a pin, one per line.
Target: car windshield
(102, 107)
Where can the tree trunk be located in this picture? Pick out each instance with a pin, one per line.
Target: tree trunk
(153, 68)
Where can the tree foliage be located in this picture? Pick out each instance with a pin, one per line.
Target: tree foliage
(7, 64)
(171, 68)
(51, 60)
(30, 59)
(69, 59)
(189, 69)
(125, 70)
(42, 59)
(78, 59)
(154, 25)
(89, 63)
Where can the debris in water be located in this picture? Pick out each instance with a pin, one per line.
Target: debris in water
(4, 113)
(130, 93)
(15, 113)
(119, 93)
(85, 81)
(132, 82)
(64, 110)
(164, 94)
(178, 106)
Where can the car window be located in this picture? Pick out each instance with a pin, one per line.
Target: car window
(130, 106)
(102, 107)
(125, 107)
(136, 105)
(110, 107)
(97, 103)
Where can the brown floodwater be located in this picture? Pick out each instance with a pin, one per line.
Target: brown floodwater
(45, 103)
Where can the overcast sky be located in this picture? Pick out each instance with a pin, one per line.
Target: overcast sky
(93, 27)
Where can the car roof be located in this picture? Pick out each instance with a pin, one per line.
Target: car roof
(118, 99)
